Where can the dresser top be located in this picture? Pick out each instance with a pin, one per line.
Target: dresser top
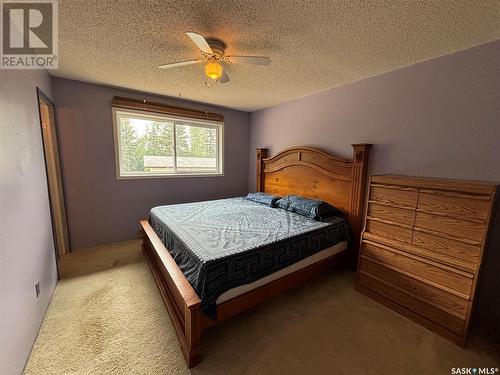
(463, 186)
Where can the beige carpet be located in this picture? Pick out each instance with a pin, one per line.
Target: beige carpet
(107, 317)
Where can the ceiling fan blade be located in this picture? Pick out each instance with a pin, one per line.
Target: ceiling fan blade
(200, 42)
(179, 63)
(255, 60)
(224, 78)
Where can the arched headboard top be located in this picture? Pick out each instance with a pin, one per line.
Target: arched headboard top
(315, 158)
(314, 173)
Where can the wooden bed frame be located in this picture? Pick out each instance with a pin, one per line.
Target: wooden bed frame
(304, 171)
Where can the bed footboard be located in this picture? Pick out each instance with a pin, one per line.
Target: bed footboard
(181, 300)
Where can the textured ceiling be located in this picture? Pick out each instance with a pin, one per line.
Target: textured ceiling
(314, 45)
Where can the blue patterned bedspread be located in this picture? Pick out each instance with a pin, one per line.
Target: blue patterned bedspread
(225, 243)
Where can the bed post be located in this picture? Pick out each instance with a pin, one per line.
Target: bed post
(359, 171)
(259, 168)
(192, 330)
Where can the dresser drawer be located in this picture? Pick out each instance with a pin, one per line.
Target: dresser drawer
(388, 230)
(423, 309)
(450, 226)
(435, 296)
(431, 272)
(394, 196)
(446, 247)
(454, 205)
(399, 215)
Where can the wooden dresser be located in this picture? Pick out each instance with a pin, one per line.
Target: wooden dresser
(422, 246)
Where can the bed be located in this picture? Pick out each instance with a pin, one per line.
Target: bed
(212, 260)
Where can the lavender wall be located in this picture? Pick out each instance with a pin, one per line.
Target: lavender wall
(27, 249)
(102, 209)
(439, 118)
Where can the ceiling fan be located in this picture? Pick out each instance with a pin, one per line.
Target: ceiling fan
(212, 50)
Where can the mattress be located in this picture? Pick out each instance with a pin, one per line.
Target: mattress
(323, 254)
(223, 244)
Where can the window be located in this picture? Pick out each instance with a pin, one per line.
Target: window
(157, 145)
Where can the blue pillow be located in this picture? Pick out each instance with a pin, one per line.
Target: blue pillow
(268, 200)
(311, 208)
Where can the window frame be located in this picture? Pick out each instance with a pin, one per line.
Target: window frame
(176, 120)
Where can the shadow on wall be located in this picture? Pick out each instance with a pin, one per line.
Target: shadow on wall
(486, 316)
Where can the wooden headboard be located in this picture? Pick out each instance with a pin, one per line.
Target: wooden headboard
(314, 173)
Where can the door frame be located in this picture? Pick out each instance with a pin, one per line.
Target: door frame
(42, 98)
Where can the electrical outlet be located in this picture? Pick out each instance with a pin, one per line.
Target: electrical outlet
(37, 288)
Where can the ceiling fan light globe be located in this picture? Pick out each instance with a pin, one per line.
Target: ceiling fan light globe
(213, 69)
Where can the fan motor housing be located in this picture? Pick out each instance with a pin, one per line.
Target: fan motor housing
(217, 45)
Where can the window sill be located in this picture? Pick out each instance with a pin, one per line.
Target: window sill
(178, 175)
